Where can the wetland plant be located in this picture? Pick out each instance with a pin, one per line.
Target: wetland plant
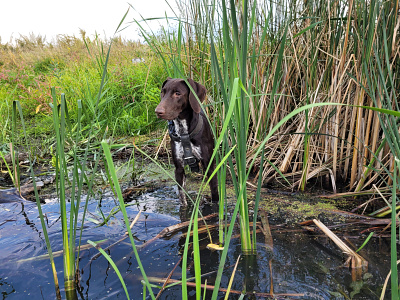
(295, 89)
(68, 142)
(313, 94)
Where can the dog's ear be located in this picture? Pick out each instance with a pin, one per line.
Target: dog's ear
(200, 91)
(166, 80)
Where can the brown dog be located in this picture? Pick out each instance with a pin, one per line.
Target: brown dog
(191, 137)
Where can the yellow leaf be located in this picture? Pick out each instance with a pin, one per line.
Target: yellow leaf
(215, 247)
(38, 108)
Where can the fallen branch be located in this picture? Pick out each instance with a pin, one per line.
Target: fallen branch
(358, 263)
(165, 232)
(174, 228)
(15, 195)
(352, 194)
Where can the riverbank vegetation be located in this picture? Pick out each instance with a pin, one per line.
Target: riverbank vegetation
(328, 60)
(74, 66)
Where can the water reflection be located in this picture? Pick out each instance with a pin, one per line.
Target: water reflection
(300, 264)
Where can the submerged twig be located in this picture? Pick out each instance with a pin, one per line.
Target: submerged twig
(271, 289)
(357, 262)
(231, 279)
(174, 228)
(58, 253)
(385, 284)
(125, 236)
(168, 278)
(266, 230)
(211, 287)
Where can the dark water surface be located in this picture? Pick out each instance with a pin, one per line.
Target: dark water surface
(300, 263)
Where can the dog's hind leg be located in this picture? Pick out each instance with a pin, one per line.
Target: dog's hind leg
(214, 189)
(213, 181)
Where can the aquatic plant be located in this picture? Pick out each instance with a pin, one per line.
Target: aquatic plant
(379, 82)
(117, 188)
(291, 60)
(68, 138)
(17, 106)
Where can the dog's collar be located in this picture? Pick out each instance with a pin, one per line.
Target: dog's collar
(188, 157)
(177, 138)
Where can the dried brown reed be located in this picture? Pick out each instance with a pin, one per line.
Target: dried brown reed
(326, 47)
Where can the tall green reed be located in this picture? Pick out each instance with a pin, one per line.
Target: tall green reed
(13, 151)
(227, 50)
(230, 59)
(267, 48)
(67, 134)
(117, 189)
(229, 63)
(68, 232)
(380, 75)
(72, 179)
(62, 128)
(17, 106)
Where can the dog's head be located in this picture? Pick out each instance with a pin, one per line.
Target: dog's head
(176, 97)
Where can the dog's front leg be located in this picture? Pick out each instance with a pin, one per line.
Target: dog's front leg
(181, 180)
(177, 157)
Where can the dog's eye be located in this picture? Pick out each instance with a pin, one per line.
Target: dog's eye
(177, 93)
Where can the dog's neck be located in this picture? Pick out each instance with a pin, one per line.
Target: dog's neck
(181, 127)
(186, 122)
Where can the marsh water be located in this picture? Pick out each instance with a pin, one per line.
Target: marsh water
(299, 265)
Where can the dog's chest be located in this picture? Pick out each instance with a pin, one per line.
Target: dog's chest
(181, 128)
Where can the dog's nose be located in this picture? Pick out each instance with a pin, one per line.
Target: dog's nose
(160, 111)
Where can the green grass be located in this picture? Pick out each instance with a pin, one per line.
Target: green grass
(130, 94)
